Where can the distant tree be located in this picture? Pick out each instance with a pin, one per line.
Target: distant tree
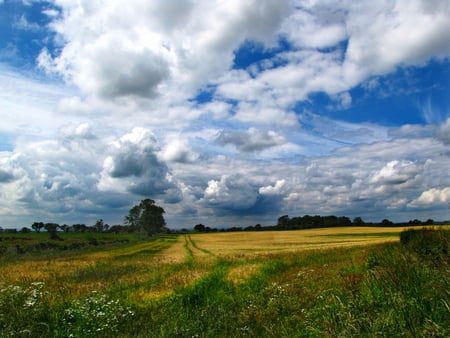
(386, 223)
(147, 216)
(79, 227)
(119, 229)
(283, 222)
(65, 228)
(99, 225)
(52, 229)
(199, 228)
(37, 226)
(429, 221)
(358, 221)
(25, 230)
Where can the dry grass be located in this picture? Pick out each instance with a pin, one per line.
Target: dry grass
(241, 273)
(260, 243)
(149, 266)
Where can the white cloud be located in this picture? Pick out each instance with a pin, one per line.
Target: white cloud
(386, 34)
(252, 140)
(133, 166)
(246, 149)
(395, 172)
(432, 196)
(315, 25)
(276, 189)
(163, 47)
(178, 150)
(230, 193)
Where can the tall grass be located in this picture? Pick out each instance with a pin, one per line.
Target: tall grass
(387, 290)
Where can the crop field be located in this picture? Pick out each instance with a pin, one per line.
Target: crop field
(265, 242)
(304, 283)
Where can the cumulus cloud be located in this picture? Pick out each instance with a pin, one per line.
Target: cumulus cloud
(231, 192)
(133, 166)
(276, 189)
(395, 172)
(432, 196)
(144, 48)
(167, 52)
(251, 140)
(221, 134)
(177, 150)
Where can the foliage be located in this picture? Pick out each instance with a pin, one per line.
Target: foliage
(37, 244)
(28, 312)
(308, 222)
(95, 315)
(148, 216)
(23, 310)
(433, 243)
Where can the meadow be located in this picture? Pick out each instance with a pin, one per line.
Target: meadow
(347, 282)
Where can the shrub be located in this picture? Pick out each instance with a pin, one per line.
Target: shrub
(432, 243)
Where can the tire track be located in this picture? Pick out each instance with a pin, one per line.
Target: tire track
(193, 251)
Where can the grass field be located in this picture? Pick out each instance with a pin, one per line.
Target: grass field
(319, 282)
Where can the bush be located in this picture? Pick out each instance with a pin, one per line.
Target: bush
(432, 243)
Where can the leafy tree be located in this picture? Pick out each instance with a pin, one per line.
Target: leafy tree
(52, 229)
(99, 226)
(79, 227)
(37, 226)
(200, 228)
(147, 216)
(358, 221)
(65, 228)
(283, 222)
(386, 223)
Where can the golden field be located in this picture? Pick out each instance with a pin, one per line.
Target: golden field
(268, 242)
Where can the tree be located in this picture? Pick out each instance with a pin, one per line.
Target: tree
(386, 223)
(79, 227)
(358, 221)
(99, 225)
(283, 222)
(147, 216)
(52, 229)
(37, 226)
(199, 228)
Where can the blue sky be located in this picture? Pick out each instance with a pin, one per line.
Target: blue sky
(226, 113)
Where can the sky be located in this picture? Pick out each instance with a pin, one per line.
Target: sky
(226, 113)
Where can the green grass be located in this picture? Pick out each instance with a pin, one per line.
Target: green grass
(128, 290)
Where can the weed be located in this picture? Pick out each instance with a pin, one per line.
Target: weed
(95, 315)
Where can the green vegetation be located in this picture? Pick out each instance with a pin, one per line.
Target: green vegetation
(173, 287)
(40, 244)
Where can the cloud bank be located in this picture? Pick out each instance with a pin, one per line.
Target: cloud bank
(210, 108)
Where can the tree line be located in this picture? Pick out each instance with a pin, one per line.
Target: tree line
(309, 222)
(146, 218)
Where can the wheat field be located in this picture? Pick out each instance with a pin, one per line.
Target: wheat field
(272, 242)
